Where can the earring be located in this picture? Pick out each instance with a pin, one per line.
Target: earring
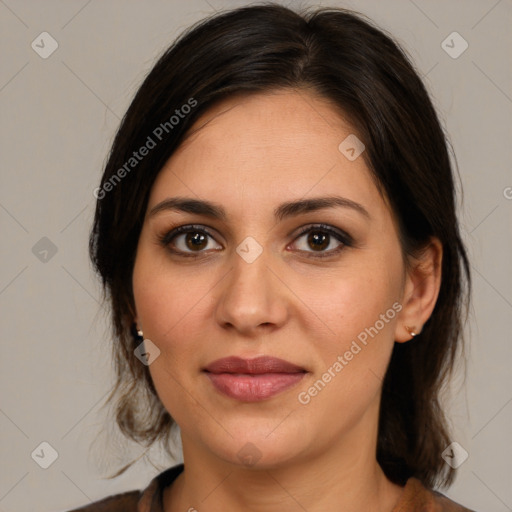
(137, 333)
(410, 330)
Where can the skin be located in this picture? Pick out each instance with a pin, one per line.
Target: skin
(250, 154)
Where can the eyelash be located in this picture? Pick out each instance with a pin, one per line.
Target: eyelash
(342, 237)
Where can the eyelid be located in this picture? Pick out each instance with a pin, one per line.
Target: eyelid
(344, 236)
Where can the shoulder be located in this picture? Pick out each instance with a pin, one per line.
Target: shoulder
(447, 504)
(126, 502)
(417, 498)
(136, 501)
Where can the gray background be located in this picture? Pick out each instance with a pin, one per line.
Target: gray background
(59, 116)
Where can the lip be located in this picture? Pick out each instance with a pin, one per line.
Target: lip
(258, 365)
(252, 380)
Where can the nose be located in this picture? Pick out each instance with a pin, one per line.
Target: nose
(253, 298)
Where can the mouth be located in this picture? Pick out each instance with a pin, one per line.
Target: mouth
(252, 380)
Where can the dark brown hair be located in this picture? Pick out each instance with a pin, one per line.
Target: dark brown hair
(340, 56)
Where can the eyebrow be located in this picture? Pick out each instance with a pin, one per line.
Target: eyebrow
(283, 211)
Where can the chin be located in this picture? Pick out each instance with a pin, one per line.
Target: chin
(259, 446)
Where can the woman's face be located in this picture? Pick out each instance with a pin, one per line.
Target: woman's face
(264, 279)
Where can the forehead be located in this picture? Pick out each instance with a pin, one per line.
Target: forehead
(262, 148)
(287, 119)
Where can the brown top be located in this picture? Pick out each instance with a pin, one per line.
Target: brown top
(415, 498)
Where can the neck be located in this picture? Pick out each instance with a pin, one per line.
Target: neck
(344, 476)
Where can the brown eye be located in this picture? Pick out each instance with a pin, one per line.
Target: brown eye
(318, 241)
(322, 241)
(196, 241)
(187, 240)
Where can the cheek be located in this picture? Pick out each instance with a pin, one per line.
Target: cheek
(173, 306)
(360, 309)
(165, 299)
(362, 304)
(167, 306)
(362, 321)
(354, 358)
(348, 302)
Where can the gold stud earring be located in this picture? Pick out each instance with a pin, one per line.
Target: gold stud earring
(410, 330)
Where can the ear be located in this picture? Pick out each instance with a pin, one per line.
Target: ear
(421, 289)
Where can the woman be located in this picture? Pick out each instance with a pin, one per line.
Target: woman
(276, 233)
